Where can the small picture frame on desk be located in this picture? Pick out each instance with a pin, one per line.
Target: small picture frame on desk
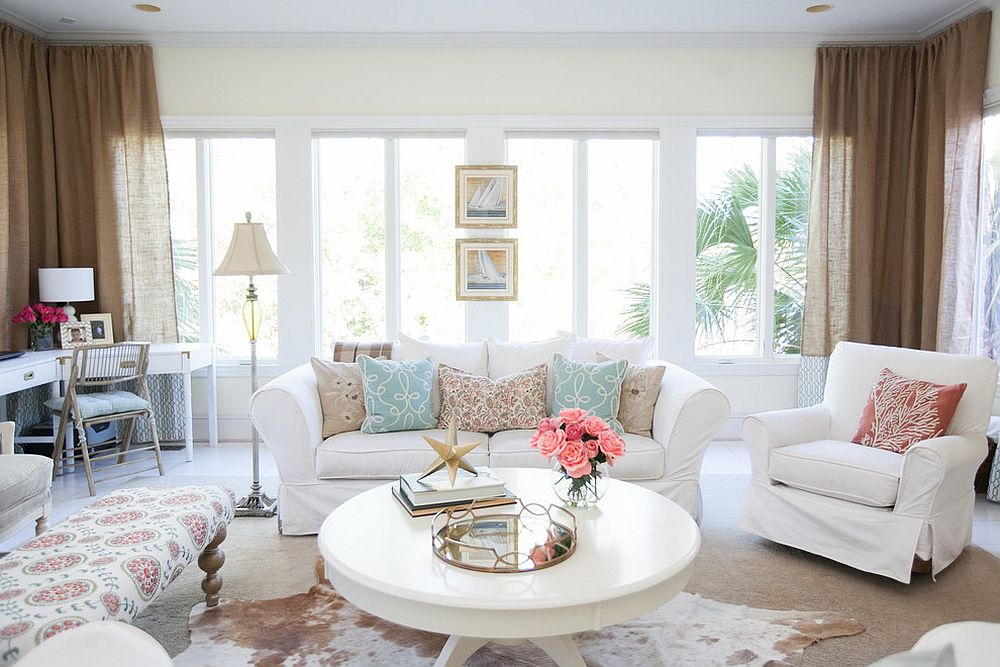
(74, 334)
(101, 330)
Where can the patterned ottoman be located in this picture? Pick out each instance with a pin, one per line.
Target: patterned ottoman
(109, 561)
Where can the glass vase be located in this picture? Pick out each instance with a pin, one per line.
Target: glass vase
(580, 491)
(42, 340)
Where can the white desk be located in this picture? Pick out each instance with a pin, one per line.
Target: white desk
(37, 368)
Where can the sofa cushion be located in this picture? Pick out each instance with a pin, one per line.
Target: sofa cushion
(640, 391)
(634, 350)
(101, 403)
(839, 469)
(644, 458)
(341, 395)
(486, 406)
(593, 387)
(23, 476)
(469, 357)
(357, 455)
(397, 395)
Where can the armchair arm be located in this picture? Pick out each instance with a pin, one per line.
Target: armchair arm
(766, 430)
(938, 472)
(688, 412)
(287, 413)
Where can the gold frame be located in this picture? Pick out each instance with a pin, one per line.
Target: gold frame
(510, 246)
(462, 221)
(65, 338)
(109, 331)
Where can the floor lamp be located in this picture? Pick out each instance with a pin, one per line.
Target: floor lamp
(250, 254)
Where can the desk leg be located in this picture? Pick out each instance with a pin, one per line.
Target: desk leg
(213, 410)
(188, 419)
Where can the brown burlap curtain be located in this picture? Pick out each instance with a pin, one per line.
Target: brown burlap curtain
(895, 191)
(96, 184)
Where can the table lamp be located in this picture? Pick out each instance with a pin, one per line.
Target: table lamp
(65, 285)
(250, 254)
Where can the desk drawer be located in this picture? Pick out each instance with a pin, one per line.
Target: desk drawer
(17, 379)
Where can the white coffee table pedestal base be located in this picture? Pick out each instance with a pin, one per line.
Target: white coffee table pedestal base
(562, 649)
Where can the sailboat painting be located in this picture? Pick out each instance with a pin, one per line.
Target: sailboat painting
(486, 269)
(486, 196)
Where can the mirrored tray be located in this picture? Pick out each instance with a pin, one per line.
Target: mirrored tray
(527, 537)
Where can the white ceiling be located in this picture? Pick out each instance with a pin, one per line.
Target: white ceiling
(487, 21)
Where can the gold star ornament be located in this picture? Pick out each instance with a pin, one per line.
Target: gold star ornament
(449, 454)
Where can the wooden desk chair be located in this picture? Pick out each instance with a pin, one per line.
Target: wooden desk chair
(102, 366)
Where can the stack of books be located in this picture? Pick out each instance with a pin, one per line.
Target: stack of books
(422, 497)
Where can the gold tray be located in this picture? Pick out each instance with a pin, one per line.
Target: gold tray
(526, 538)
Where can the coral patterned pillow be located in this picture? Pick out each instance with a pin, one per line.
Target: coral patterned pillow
(902, 411)
(487, 406)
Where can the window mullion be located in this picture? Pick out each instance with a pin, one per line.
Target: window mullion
(581, 209)
(206, 236)
(393, 241)
(765, 254)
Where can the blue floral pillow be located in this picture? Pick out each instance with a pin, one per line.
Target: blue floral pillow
(595, 388)
(397, 395)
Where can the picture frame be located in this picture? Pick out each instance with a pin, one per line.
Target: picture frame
(486, 196)
(74, 334)
(486, 269)
(101, 329)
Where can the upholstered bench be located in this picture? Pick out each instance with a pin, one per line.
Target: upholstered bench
(109, 561)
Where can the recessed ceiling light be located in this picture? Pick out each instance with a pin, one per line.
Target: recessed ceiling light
(818, 9)
(143, 7)
(67, 20)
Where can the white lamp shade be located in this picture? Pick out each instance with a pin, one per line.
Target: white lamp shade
(249, 253)
(66, 285)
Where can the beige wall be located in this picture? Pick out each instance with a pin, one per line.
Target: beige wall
(419, 81)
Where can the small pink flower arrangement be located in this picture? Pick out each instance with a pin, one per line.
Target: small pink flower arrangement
(578, 442)
(41, 319)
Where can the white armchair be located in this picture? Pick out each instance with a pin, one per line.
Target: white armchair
(25, 486)
(872, 509)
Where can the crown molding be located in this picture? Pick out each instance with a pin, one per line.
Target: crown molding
(956, 15)
(485, 39)
(22, 24)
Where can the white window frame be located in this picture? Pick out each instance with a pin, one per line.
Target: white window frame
(672, 311)
(581, 209)
(393, 221)
(764, 353)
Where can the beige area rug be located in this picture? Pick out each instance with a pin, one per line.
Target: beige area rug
(733, 567)
(322, 628)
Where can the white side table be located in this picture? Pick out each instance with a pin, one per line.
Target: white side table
(634, 553)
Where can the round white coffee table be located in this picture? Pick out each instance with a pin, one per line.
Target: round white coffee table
(634, 553)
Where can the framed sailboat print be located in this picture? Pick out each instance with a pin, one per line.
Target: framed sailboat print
(486, 269)
(486, 196)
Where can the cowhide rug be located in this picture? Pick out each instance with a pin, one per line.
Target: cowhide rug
(322, 628)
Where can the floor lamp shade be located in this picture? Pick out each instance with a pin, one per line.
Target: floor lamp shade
(65, 285)
(249, 253)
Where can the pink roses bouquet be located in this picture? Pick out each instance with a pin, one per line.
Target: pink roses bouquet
(578, 442)
(40, 318)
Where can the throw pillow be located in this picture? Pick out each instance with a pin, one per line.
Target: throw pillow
(902, 411)
(640, 389)
(397, 395)
(509, 358)
(635, 350)
(595, 388)
(470, 357)
(483, 405)
(341, 395)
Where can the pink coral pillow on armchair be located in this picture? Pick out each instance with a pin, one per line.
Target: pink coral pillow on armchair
(902, 411)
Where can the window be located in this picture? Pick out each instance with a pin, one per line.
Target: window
(987, 341)
(214, 181)
(752, 215)
(585, 223)
(387, 219)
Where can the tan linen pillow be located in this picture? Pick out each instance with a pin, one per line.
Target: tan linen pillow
(341, 395)
(487, 406)
(640, 389)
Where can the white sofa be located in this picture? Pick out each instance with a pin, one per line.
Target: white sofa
(871, 509)
(317, 475)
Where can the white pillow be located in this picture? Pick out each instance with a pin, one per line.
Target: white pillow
(636, 351)
(469, 357)
(509, 358)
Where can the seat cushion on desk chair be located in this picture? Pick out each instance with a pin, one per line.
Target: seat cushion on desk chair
(103, 403)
